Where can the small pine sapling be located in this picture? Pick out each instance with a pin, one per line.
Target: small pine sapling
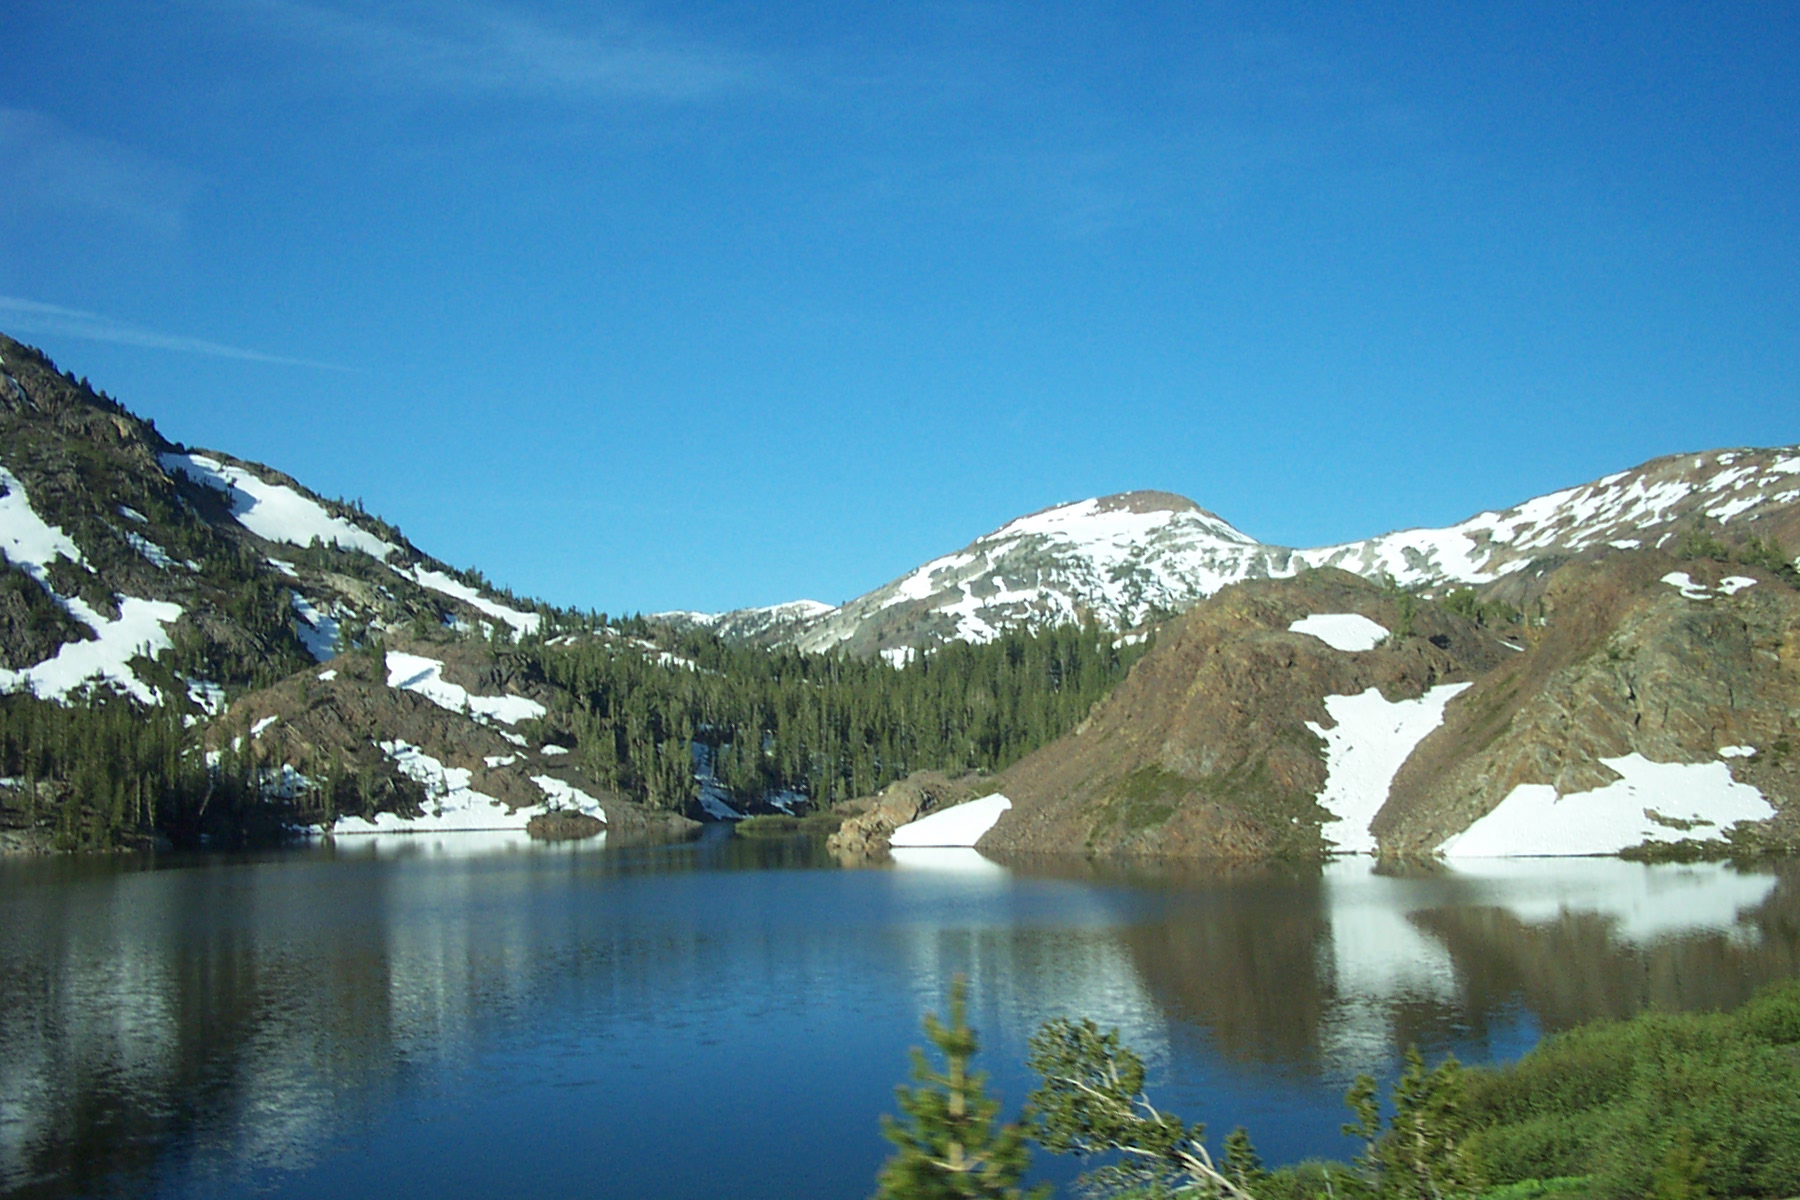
(948, 1147)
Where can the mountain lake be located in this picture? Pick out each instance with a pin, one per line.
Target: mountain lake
(481, 1016)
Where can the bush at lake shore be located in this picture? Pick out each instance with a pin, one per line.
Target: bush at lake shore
(1669, 1106)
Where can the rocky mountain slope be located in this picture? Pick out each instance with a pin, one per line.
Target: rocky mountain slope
(1643, 701)
(1216, 745)
(195, 582)
(1129, 558)
(1605, 666)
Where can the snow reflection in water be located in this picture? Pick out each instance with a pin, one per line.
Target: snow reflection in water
(464, 1011)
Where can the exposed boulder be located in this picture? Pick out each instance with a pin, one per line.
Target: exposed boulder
(866, 834)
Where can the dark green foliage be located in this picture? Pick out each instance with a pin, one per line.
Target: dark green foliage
(1616, 1101)
(1421, 1156)
(947, 1147)
(1754, 552)
(1243, 1165)
(825, 725)
(103, 772)
(1677, 1177)
(1669, 1106)
(1091, 1103)
(1701, 542)
(1465, 603)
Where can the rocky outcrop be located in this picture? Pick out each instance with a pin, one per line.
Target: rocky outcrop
(331, 720)
(1205, 750)
(1636, 653)
(1212, 746)
(866, 833)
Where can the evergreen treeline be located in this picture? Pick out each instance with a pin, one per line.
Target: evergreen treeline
(104, 772)
(825, 725)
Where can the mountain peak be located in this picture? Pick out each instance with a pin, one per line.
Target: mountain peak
(1146, 502)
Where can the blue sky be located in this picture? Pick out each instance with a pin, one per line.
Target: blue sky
(704, 305)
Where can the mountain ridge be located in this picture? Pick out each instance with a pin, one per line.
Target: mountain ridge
(347, 675)
(1128, 557)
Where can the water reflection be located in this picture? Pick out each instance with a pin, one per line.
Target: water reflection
(180, 1029)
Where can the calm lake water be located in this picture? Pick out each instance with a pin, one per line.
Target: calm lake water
(468, 1017)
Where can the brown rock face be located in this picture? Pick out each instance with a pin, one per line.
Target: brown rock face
(1623, 663)
(564, 827)
(1204, 750)
(866, 834)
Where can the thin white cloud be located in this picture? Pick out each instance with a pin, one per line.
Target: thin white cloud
(480, 48)
(35, 317)
(50, 167)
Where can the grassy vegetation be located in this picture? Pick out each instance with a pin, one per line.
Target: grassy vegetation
(1146, 798)
(818, 824)
(1667, 1106)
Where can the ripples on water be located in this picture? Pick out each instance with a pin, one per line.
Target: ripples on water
(475, 1016)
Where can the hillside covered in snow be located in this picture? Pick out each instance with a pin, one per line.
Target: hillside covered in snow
(1135, 557)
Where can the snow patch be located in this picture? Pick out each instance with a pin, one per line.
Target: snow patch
(1364, 750)
(140, 629)
(1736, 751)
(1731, 585)
(132, 514)
(522, 622)
(493, 761)
(150, 550)
(1349, 632)
(1685, 583)
(553, 749)
(256, 730)
(27, 541)
(416, 673)
(1534, 820)
(566, 796)
(317, 632)
(327, 676)
(961, 825)
(450, 803)
(273, 511)
(899, 656)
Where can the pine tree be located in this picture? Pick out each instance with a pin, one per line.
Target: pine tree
(948, 1147)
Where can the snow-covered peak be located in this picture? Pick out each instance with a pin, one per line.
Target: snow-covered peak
(1125, 517)
(1122, 558)
(1648, 506)
(769, 623)
(1116, 559)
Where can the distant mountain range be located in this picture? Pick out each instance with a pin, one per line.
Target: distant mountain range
(1126, 559)
(1630, 642)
